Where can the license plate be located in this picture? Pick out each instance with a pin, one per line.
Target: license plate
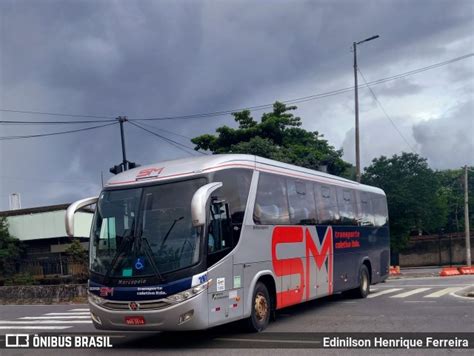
(134, 320)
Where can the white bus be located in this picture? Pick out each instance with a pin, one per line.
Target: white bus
(198, 242)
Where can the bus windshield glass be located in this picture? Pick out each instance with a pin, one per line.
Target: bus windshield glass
(145, 231)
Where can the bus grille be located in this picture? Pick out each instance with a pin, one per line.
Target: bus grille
(145, 305)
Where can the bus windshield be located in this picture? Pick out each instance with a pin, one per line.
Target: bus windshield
(145, 231)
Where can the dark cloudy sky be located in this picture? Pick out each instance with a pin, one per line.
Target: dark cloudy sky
(159, 58)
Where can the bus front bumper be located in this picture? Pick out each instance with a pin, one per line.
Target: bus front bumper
(191, 314)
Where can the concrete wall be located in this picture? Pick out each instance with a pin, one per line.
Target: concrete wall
(43, 294)
(433, 251)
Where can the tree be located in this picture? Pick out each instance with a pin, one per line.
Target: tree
(416, 199)
(10, 250)
(277, 136)
(452, 181)
(77, 253)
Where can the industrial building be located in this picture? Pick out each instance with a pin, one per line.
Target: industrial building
(42, 233)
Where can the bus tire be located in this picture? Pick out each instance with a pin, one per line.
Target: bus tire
(364, 283)
(261, 309)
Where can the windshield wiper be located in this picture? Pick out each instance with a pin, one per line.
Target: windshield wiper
(169, 231)
(150, 255)
(126, 239)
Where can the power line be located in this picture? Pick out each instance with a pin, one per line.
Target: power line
(5, 138)
(167, 131)
(314, 96)
(170, 141)
(12, 122)
(385, 112)
(55, 114)
(226, 112)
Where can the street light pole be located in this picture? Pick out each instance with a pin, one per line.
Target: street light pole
(356, 97)
(466, 218)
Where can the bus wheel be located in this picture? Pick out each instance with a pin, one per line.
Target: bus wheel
(364, 283)
(261, 309)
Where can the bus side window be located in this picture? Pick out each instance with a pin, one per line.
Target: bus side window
(326, 204)
(364, 206)
(235, 190)
(271, 203)
(219, 241)
(301, 200)
(379, 204)
(347, 206)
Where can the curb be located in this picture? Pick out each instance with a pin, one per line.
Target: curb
(394, 271)
(456, 271)
(466, 270)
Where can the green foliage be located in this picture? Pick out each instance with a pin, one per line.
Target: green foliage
(10, 251)
(416, 199)
(277, 136)
(452, 181)
(77, 252)
(20, 279)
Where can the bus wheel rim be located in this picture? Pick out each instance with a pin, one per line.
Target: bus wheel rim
(261, 307)
(364, 281)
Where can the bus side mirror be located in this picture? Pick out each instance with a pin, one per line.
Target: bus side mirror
(72, 209)
(199, 203)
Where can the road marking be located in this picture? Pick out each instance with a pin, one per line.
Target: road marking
(35, 327)
(423, 285)
(80, 309)
(443, 292)
(47, 322)
(455, 294)
(387, 291)
(76, 313)
(410, 292)
(419, 301)
(56, 317)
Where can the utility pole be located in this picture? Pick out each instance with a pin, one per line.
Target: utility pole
(356, 97)
(121, 120)
(125, 165)
(466, 218)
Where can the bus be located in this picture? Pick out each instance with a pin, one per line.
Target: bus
(194, 243)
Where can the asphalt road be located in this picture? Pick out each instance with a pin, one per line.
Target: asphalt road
(403, 305)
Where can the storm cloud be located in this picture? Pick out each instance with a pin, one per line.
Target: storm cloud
(165, 58)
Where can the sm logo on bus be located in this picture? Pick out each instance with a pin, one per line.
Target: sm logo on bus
(305, 280)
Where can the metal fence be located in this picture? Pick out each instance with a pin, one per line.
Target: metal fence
(55, 268)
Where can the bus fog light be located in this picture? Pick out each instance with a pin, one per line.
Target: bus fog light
(186, 316)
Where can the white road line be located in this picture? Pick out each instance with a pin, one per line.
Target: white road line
(443, 292)
(387, 291)
(76, 313)
(80, 309)
(410, 292)
(37, 327)
(46, 322)
(56, 317)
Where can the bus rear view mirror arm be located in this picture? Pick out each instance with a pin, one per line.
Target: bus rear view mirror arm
(72, 209)
(199, 203)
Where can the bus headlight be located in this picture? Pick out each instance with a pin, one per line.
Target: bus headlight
(96, 300)
(182, 296)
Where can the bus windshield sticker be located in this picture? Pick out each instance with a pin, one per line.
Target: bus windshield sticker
(220, 284)
(140, 263)
(236, 281)
(127, 272)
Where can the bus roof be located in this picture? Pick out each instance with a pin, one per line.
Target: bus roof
(185, 167)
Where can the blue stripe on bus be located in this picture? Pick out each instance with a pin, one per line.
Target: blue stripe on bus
(141, 292)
